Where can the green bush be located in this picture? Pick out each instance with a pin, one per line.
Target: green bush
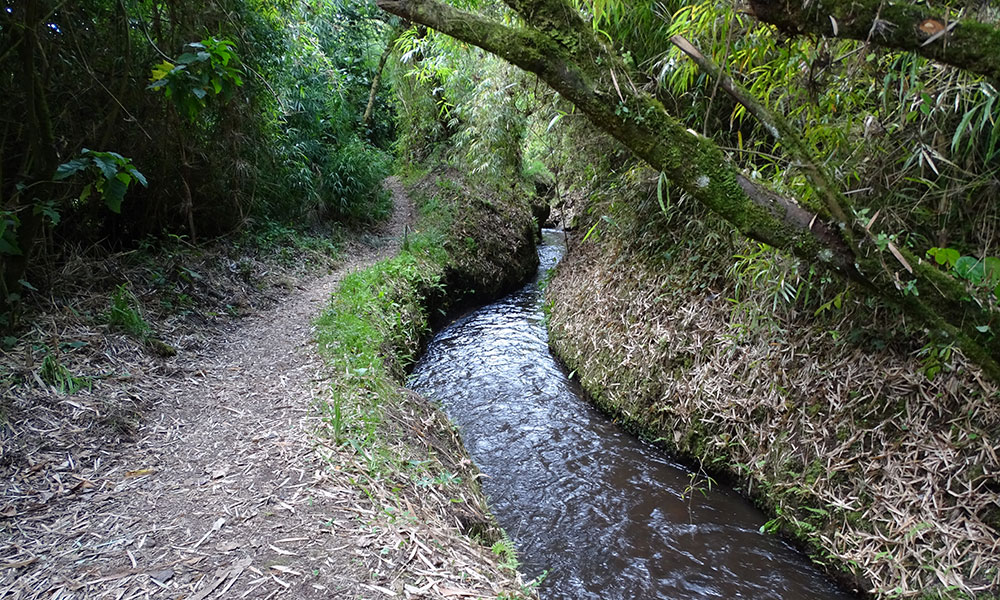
(352, 188)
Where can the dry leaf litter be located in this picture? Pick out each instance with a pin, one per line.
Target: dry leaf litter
(906, 468)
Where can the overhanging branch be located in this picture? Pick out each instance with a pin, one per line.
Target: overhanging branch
(571, 59)
(898, 25)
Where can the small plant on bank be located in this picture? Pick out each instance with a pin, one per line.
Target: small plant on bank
(54, 373)
(124, 314)
(504, 548)
(333, 415)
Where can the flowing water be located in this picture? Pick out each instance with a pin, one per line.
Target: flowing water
(607, 515)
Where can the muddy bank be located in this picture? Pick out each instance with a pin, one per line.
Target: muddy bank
(820, 404)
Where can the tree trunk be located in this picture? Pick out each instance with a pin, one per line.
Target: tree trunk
(40, 164)
(899, 25)
(564, 51)
(377, 80)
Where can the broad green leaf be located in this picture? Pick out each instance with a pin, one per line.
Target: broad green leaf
(138, 176)
(944, 256)
(68, 169)
(87, 191)
(114, 194)
(199, 93)
(159, 72)
(106, 165)
(992, 269)
(49, 211)
(970, 268)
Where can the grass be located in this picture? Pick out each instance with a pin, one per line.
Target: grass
(124, 313)
(399, 450)
(369, 333)
(54, 373)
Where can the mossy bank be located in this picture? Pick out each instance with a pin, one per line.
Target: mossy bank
(875, 452)
(467, 243)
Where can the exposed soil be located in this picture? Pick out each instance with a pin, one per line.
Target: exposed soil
(223, 490)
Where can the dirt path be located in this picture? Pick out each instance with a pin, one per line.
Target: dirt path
(224, 494)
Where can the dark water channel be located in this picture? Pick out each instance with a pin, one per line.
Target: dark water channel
(606, 514)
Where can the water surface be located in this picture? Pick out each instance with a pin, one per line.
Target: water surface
(607, 515)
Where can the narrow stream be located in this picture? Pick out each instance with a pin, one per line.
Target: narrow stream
(607, 515)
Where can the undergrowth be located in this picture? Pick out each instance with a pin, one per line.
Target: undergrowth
(370, 333)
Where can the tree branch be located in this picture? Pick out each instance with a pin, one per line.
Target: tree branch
(967, 44)
(781, 129)
(640, 122)
(570, 58)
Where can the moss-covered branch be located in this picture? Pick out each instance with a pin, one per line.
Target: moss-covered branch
(896, 24)
(570, 58)
(780, 128)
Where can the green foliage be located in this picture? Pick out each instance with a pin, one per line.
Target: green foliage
(325, 166)
(266, 133)
(124, 313)
(58, 376)
(353, 189)
(912, 141)
(935, 357)
(463, 102)
(110, 175)
(980, 272)
(504, 548)
(207, 68)
(370, 332)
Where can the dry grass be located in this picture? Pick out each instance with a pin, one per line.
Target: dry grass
(884, 473)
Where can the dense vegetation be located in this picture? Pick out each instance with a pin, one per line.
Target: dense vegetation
(128, 119)
(858, 160)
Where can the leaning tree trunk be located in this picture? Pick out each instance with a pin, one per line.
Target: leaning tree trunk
(377, 80)
(565, 52)
(899, 25)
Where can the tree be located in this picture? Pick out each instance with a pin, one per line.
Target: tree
(22, 222)
(556, 43)
(928, 31)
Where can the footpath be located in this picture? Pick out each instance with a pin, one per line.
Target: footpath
(227, 492)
